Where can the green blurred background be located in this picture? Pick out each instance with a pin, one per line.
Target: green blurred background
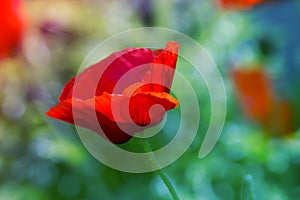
(42, 159)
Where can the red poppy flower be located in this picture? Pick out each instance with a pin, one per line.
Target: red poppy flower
(243, 4)
(131, 81)
(11, 26)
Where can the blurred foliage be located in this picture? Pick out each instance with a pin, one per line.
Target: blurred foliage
(41, 158)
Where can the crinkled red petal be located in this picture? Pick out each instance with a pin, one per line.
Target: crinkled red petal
(103, 76)
(140, 109)
(97, 112)
(67, 90)
(162, 69)
(150, 108)
(81, 113)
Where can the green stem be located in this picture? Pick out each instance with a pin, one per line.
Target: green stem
(247, 190)
(160, 172)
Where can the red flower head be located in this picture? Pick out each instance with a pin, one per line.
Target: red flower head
(119, 93)
(11, 26)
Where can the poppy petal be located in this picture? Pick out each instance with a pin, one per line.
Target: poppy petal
(67, 90)
(84, 113)
(137, 107)
(162, 69)
(110, 70)
(143, 110)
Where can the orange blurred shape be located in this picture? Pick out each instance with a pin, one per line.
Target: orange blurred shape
(11, 27)
(254, 92)
(259, 103)
(242, 4)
